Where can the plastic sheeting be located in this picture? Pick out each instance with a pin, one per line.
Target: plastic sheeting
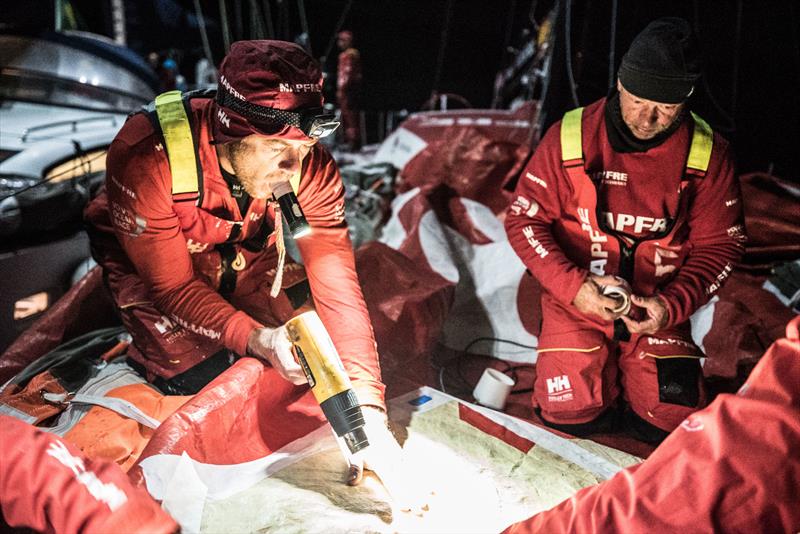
(487, 467)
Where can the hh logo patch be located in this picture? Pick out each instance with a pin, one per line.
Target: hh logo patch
(559, 389)
(223, 118)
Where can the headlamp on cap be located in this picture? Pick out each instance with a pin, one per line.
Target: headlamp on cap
(314, 122)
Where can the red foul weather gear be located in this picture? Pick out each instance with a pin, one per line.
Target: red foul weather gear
(668, 220)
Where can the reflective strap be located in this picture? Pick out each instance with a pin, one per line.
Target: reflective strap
(121, 406)
(571, 142)
(671, 356)
(702, 143)
(568, 349)
(180, 145)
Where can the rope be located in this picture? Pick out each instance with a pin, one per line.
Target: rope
(568, 38)
(612, 45)
(442, 47)
(201, 22)
(337, 28)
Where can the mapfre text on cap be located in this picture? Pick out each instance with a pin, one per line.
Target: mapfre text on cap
(300, 88)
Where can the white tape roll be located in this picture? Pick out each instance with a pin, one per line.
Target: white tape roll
(493, 389)
(622, 295)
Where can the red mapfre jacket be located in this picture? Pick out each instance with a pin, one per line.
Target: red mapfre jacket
(135, 224)
(47, 485)
(732, 467)
(554, 225)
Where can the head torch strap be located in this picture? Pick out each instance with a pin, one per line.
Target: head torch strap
(312, 122)
(257, 113)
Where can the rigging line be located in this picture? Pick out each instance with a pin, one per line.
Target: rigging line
(509, 25)
(226, 35)
(255, 24)
(268, 18)
(201, 22)
(736, 48)
(337, 28)
(612, 45)
(238, 20)
(568, 38)
(301, 10)
(442, 46)
(731, 126)
(82, 160)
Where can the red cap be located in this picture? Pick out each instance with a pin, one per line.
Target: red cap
(272, 74)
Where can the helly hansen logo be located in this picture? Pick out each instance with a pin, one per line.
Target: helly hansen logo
(223, 118)
(300, 88)
(523, 205)
(536, 180)
(731, 202)
(623, 221)
(558, 384)
(537, 247)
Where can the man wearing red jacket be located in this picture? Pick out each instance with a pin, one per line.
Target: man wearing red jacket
(48, 485)
(631, 190)
(348, 88)
(732, 467)
(190, 237)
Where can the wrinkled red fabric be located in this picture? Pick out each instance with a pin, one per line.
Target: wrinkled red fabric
(46, 484)
(747, 320)
(85, 307)
(771, 206)
(408, 303)
(732, 467)
(244, 414)
(473, 152)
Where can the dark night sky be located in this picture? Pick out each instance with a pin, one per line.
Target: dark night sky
(755, 80)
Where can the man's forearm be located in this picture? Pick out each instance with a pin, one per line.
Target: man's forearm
(705, 271)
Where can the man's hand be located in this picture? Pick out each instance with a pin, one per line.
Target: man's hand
(273, 345)
(384, 457)
(655, 319)
(591, 301)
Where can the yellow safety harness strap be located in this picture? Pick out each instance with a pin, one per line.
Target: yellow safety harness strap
(180, 147)
(571, 142)
(702, 144)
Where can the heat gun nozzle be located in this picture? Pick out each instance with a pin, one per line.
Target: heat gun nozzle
(344, 414)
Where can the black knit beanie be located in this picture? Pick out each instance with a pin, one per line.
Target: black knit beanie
(662, 63)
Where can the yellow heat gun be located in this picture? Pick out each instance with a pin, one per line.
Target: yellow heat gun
(329, 382)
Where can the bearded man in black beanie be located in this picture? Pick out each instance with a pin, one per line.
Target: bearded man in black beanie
(630, 217)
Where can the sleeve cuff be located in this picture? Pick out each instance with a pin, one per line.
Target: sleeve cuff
(371, 393)
(237, 331)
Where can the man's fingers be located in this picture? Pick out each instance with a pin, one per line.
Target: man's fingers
(355, 473)
(607, 280)
(637, 327)
(644, 302)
